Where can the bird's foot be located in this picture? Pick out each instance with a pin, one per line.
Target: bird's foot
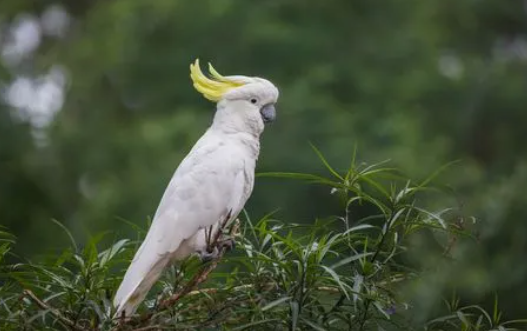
(206, 256)
(228, 243)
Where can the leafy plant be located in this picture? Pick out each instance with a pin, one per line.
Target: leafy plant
(345, 272)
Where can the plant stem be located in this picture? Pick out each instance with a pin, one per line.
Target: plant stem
(52, 310)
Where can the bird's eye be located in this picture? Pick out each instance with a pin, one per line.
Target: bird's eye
(254, 101)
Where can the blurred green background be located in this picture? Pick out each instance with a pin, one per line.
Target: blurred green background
(98, 109)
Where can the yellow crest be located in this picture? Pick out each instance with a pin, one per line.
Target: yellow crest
(212, 89)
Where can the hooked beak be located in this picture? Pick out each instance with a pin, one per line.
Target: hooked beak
(268, 113)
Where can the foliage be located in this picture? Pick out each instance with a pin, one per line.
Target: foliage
(341, 273)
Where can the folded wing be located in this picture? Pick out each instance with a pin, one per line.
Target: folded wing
(211, 183)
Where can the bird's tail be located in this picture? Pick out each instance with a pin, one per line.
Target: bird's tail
(138, 280)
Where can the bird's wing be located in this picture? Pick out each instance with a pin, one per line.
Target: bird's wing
(208, 185)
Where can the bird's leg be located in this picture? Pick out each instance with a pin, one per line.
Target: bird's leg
(208, 237)
(227, 240)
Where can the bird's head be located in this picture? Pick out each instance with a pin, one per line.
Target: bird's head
(244, 103)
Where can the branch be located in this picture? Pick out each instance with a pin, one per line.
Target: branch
(53, 311)
(148, 328)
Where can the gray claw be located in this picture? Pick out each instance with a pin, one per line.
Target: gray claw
(229, 244)
(207, 257)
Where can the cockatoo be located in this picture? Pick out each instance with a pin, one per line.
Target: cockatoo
(211, 184)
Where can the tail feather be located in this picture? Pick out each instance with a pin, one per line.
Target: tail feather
(137, 281)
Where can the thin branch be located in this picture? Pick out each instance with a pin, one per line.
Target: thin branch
(55, 312)
(267, 286)
(151, 327)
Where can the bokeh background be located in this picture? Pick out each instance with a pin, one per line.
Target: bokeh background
(97, 111)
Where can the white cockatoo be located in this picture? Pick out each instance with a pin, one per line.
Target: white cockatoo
(210, 186)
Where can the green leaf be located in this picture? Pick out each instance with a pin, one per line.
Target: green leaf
(294, 314)
(250, 325)
(68, 233)
(437, 173)
(380, 309)
(481, 310)
(108, 254)
(313, 325)
(337, 279)
(326, 164)
(495, 311)
(275, 303)
(463, 318)
(517, 321)
(350, 259)
(436, 216)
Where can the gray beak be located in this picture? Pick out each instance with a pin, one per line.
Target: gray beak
(268, 113)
